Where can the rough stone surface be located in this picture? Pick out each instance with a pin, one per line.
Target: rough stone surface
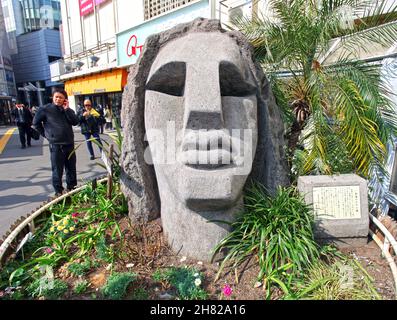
(340, 232)
(191, 198)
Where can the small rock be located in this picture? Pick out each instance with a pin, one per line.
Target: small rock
(156, 289)
(200, 263)
(109, 267)
(183, 259)
(258, 284)
(130, 265)
(166, 296)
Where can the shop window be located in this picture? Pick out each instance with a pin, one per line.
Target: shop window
(154, 8)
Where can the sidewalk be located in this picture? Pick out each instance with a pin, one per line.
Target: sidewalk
(25, 175)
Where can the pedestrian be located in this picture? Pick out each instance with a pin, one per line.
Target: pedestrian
(89, 121)
(23, 119)
(54, 121)
(34, 110)
(101, 119)
(108, 118)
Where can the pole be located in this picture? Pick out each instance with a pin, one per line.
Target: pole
(110, 174)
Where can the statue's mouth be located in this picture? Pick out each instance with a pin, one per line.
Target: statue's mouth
(207, 159)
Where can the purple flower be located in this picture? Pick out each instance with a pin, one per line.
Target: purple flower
(227, 290)
(75, 215)
(48, 250)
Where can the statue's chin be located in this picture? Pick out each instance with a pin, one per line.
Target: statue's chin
(206, 190)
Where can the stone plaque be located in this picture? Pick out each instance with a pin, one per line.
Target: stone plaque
(341, 202)
(340, 205)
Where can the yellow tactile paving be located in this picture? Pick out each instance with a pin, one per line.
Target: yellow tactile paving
(4, 139)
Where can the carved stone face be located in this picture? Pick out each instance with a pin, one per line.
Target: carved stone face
(201, 120)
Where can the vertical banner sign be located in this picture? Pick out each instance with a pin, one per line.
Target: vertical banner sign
(87, 6)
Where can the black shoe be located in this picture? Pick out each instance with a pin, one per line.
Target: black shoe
(70, 189)
(29, 145)
(92, 158)
(58, 194)
(23, 147)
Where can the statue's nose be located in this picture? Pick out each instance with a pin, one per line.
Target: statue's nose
(203, 103)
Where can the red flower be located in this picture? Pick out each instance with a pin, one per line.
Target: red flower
(75, 215)
(227, 290)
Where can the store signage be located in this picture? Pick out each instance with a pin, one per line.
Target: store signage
(87, 6)
(130, 42)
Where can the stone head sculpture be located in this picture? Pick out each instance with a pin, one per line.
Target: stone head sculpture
(195, 125)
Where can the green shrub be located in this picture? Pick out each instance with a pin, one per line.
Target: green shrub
(117, 284)
(140, 294)
(277, 230)
(104, 252)
(80, 286)
(340, 280)
(49, 289)
(80, 269)
(187, 282)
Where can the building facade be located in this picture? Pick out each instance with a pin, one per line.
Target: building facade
(34, 40)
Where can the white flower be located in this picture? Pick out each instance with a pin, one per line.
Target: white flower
(196, 275)
(197, 282)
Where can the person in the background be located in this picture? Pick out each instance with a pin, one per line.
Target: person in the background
(54, 121)
(23, 119)
(108, 118)
(89, 121)
(34, 110)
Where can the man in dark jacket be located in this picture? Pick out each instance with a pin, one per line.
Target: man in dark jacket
(23, 119)
(54, 121)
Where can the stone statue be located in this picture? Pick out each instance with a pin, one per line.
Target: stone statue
(200, 99)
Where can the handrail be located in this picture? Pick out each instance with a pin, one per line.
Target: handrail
(386, 232)
(388, 257)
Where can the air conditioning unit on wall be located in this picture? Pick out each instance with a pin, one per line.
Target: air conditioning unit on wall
(238, 12)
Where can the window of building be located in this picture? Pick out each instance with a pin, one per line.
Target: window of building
(53, 58)
(154, 8)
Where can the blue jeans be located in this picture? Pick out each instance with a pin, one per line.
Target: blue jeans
(89, 143)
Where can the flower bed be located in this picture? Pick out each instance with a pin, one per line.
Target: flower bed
(85, 247)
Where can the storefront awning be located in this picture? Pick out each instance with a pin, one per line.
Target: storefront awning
(108, 81)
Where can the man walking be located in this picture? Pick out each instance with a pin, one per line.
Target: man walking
(54, 121)
(23, 119)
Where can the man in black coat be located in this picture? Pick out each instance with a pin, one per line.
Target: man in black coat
(23, 119)
(54, 121)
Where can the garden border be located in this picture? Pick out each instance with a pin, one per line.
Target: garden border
(29, 221)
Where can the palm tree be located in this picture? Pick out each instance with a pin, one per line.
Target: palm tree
(340, 115)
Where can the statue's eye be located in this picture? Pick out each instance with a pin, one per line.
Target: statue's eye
(169, 79)
(232, 82)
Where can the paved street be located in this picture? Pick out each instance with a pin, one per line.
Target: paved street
(25, 175)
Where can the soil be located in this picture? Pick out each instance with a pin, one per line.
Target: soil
(145, 251)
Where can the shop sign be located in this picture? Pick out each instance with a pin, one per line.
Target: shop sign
(130, 42)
